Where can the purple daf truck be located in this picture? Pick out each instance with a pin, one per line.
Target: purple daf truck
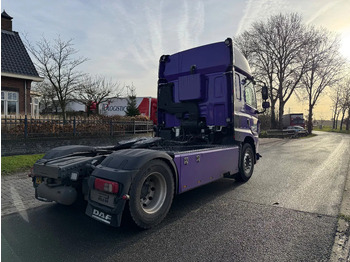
(207, 129)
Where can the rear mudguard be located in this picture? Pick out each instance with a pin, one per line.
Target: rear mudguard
(122, 167)
(67, 150)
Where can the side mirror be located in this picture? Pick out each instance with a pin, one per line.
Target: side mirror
(264, 92)
(265, 104)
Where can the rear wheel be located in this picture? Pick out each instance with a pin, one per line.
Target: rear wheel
(151, 194)
(247, 164)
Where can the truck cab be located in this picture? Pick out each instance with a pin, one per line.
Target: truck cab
(207, 93)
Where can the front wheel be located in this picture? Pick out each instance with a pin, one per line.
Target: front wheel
(151, 194)
(247, 164)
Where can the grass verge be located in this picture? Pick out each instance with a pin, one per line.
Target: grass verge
(12, 164)
(344, 217)
(330, 129)
(308, 136)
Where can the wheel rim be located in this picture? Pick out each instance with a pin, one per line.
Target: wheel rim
(153, 193)
(247, 163)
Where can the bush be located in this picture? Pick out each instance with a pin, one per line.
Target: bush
(11, 164)
(53, 126)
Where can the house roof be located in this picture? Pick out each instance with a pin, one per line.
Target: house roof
(5, 15)
(15, 61)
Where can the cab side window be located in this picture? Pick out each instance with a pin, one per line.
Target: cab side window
(249, 94)
(238, 87)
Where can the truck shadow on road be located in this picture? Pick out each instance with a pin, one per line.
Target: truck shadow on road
(53, 227)
(59, 233)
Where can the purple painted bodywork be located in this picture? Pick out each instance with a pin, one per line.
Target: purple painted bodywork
(207, 59)
(203, 78)
(198, 75)
(198, 168)
(193, 93)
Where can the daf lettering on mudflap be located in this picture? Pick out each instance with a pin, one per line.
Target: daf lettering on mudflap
(101, 216)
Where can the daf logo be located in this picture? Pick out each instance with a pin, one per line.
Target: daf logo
(101, 216)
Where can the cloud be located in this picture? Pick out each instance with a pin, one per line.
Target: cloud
(183, 33)
(154, 23)
(323, 10)
(190, 24)
(124, 39)
(243, 22)
(256, 10)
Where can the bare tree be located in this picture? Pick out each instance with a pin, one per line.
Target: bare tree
(345, 103)
(348, 107)
(325, 68)
(336, 97)
(276, 50)
(255, 49)
(56, 61)
(96, 90)
(348, 118)
(48, 102)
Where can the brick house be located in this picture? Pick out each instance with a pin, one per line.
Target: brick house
(17, 72)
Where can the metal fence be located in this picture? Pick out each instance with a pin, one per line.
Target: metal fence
(281, 133)
(15, 127)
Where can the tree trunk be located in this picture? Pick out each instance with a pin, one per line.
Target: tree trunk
(335, 117)
(280, 114)
(348, 120)
(311, 106)
(336, 120)
(97, 108)
(88, 110)
(273, 115)
(64, 113)
(309, 123)
(342, 120)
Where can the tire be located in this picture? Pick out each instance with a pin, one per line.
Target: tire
(247, 164)
(151, 194)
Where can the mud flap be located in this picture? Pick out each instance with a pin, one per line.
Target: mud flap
(258, 156)
(104, 216)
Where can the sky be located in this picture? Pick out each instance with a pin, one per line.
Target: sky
(123, 39)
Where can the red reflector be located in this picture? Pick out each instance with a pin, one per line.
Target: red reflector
(107, 186)
(31, 174)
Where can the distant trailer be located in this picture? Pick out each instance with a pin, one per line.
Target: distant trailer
(74, 106)
(293, 120)
(117, 106)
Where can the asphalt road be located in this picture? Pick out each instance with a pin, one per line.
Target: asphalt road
(286, 212)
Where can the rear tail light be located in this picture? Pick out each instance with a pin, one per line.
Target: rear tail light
(107, 186)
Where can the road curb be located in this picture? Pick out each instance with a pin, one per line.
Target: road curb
(267, 140)
(341, 247)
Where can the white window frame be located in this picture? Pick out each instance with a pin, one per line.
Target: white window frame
(35, 106)
(5, 99)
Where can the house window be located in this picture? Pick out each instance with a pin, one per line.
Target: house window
(9, 103)
(35, 106)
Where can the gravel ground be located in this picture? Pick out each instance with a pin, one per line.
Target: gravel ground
(17, 194)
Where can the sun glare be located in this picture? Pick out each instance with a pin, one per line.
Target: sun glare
(345, 45)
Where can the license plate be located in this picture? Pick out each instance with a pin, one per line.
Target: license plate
(102, 198)
(38, 180)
